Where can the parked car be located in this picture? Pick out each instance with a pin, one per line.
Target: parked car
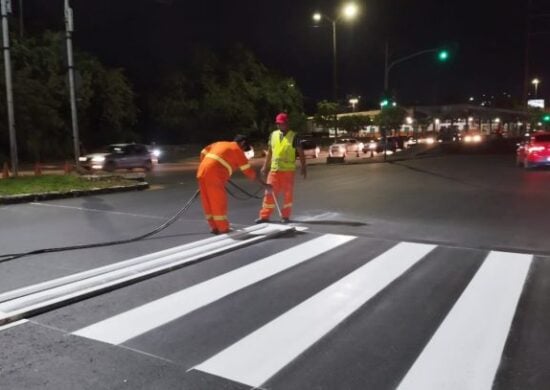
(392, 143)
(117, 156)
(535, 151)
(346, 146)
(310, 148)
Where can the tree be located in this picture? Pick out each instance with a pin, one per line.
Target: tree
(105, 102)
(216, 97)
(326, 115)
(354, 123)
(391, 118)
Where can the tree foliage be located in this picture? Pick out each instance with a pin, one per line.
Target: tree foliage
(217, 96)
(326, 115)
(105, 100)
(391, 118)
(354, 123)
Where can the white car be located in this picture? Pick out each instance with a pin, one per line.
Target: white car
(345, 147)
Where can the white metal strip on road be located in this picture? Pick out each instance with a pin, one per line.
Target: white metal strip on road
(257, 357)
(120, 328)
(12, 325)
(38, 298)
(465, 351)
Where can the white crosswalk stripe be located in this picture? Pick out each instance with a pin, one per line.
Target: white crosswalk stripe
(465, 351)
(292, 333)
(462, 346)
(125, 326)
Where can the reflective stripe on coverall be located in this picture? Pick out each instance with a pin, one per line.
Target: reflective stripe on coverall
(281, 174)
(218, 161)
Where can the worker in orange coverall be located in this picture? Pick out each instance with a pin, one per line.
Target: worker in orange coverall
(218, 161)
(283, 148)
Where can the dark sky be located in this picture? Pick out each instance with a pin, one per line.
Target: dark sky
(146, 36)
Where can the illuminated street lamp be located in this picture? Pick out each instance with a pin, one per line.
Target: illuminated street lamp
(353, 102)
(348, 12)
(536, 83)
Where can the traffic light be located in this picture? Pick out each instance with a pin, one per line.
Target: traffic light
(546, 118)
(385, 103)
(443, 55)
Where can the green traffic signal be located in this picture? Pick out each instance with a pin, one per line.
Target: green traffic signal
(384, 103)
(546, 118)
(443, 55)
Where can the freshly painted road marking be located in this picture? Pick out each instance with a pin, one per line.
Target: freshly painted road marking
(257, 357)
(465, 351)
(120, 328)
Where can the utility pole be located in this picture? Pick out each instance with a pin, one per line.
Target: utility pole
(21, 24)
(526, 53)
(6, 8)
(335, 64)
(69, 28)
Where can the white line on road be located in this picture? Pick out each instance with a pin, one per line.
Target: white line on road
(120, 328)
(97, 210)
(257, 357)
(13, 324)
(465, 351)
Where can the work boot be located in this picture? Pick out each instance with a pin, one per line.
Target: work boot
(214, 231)
(261, 220)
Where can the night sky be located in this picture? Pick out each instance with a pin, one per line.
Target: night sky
(148, 37)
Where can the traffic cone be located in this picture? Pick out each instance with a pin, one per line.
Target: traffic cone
(67, 168)
(5, 171)
(37, 169)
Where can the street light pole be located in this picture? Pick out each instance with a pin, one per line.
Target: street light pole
(388, 66)
(348, 12)
(6, 7)
(536, 83)
(335, 63)
(70, 67)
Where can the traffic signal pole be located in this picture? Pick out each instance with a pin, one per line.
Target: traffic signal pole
(6, 8)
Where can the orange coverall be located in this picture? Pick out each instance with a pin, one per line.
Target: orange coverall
(218, 161)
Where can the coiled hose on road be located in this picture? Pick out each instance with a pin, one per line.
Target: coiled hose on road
(13, 256)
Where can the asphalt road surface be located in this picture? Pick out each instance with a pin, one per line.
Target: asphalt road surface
(422, 274)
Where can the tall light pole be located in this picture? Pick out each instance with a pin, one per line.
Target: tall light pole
(536, 83)
(442, 56)
(70, 67)
(6, 7)
(353, 102)
(348, 12)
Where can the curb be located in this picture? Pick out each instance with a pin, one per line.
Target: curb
(12, 199)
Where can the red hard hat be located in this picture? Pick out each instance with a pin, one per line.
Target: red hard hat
(282, 118)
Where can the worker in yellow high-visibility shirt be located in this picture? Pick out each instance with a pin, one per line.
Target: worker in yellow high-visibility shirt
(281, 162)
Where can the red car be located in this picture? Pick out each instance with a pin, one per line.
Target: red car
(535, 151)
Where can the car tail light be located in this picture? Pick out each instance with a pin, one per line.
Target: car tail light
(533, 149)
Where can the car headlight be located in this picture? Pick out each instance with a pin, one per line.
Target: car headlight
(372, 145)
(82, 159)
(476, 138)
(468, 138)
(156, 153)
(430, 140)
(98, 159)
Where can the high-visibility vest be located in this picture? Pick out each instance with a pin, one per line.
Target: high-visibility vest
(283, 154)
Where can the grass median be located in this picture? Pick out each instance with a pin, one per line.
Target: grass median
(57, 183)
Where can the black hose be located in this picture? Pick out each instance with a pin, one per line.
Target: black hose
(13, 256)
(248, 194)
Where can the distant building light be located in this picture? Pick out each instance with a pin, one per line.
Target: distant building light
(470, 119)
(409, 120)
(497, 120)
(471, 98)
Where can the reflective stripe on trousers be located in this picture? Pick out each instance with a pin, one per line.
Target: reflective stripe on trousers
(214, 202)
(283, 184)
